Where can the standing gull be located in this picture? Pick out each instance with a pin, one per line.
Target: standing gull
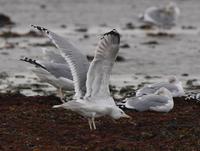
(96, 101)
(56, 74)
(173, 85)
(164, 17)
(160, 101)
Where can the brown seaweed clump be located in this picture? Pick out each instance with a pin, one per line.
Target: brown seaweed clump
(30, 123)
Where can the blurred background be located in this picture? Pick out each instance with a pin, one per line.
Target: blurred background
(142, 58)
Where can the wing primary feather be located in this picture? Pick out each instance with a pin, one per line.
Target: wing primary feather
(32, 61)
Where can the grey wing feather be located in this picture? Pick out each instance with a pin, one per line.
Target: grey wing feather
(100, 68)
(145, 102)
(78, 62)
(56, 69)
(54, 57)
(150, 89)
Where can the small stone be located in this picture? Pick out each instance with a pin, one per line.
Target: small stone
(125, 46)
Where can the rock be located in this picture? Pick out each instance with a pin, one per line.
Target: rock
(81, 29)
(43, 6)
(185, 74)
(9, 34)
(63, 26)
(153, 42)
(124, 46)
(120, 59)
(86, 36)
(4, 75)
(188, 27)
(130, 26)
(146, 27)
(90, 58)
(160, 34)
(5, 20)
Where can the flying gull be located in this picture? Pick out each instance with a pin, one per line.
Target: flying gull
(96, 101)
(173, 85)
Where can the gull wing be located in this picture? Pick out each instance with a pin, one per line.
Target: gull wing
(56, 69)
(150, 89)
(54, 57)
(159, 16)
(45, 76)
(77, 62)
(144, 103)
(98, 75)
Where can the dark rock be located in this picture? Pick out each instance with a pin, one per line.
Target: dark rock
(146, 27)
(120, 59)
(190, 82)
(48, 43)
(81, 29)
(5, 20)
(4, 75)
(90, 58)
(63, 26)
(86, 36)
(188, 27)
(124, 46)
(9, 34)
(43, 6)
(185, 74)
(160, 34)
(130, 26)
(153, 42)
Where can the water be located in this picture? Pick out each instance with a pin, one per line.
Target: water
(176, 55)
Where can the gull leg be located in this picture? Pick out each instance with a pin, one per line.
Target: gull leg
(61, 95)
(90, 123)
(93, 123)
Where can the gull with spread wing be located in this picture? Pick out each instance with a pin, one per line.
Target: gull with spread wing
(92, 98)
(56, 74)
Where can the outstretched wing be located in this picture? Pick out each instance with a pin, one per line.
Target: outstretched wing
(100, 68)
(54, 57)
(78, 63)
(56, 69)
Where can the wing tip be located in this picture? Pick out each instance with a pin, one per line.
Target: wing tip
(112, 32)
(42, 29)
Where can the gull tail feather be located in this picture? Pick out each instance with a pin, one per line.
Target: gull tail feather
(57, 106)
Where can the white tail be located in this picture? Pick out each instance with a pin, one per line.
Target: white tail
(57, 106)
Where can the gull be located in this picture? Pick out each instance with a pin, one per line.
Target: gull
(164, 17)
(56, 74)
(173, 85)
(160, 101)
(96, 101)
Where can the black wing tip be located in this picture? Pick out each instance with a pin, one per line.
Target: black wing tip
(112, 32)
(26, 59)
(32, 61)
(42, 29)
